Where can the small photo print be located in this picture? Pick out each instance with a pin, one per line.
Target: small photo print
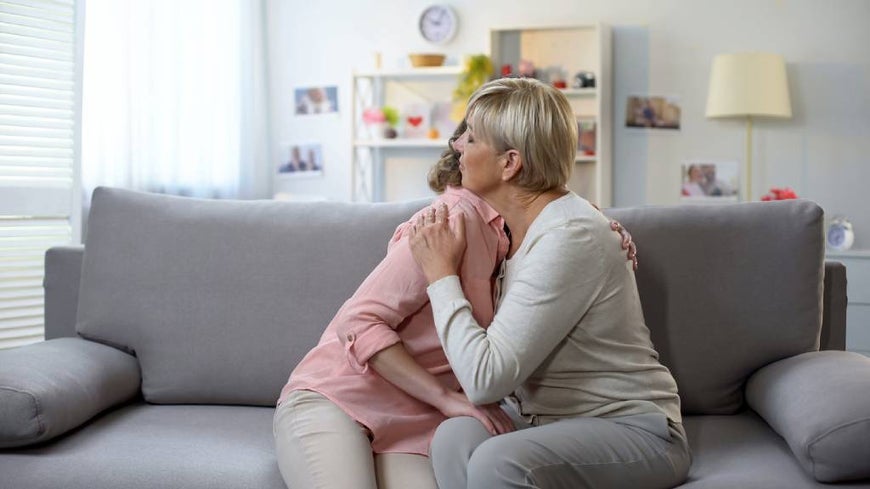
(301, 160)
(441, 120)
(652, 112)
(705, 181)
(586, 137)
(316, 100)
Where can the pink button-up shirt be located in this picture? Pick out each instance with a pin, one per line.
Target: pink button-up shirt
(390, 306)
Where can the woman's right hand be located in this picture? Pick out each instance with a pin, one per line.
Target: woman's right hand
(493, 418)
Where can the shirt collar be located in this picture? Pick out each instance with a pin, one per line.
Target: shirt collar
(486, 212)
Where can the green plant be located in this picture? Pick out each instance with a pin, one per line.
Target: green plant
(391, 114)
(476, 72)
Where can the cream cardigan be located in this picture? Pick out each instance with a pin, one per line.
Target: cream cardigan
(568, 338)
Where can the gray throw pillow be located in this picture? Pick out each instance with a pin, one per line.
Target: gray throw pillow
(819, 402)
(49, 388)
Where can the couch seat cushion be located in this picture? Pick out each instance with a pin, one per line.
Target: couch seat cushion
(147, 446)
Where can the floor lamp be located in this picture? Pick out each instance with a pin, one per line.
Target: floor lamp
(748, 85)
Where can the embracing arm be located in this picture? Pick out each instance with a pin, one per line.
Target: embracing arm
(397, 366)
(545, 300)
(394, 291)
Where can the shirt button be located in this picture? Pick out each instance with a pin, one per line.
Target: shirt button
(349, 337)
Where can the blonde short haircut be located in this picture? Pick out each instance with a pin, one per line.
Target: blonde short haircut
(533, 118)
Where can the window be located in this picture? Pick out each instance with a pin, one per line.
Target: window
(40, 94)
(168, 94)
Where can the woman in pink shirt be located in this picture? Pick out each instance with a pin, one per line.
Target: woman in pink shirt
(360, 409)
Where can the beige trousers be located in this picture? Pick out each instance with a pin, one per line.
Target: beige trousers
(319, 446)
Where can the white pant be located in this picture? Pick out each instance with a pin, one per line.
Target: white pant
(319, 446)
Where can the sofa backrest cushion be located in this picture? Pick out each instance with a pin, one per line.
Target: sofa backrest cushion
(219, 300)
(727, 289)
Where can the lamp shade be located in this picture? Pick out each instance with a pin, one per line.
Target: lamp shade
(748, 84)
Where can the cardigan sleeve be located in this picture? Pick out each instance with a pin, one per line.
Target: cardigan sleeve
(554, 284)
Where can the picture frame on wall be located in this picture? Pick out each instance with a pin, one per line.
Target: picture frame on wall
(705, 181)
(300, 160)
(653, 112)
(316, 100)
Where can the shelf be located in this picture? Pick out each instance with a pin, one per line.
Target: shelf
(580, 92)
(452, 70)
(856, 253)
(401, 143)
(573, 49)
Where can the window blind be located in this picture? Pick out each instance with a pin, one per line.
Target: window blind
(40, 101)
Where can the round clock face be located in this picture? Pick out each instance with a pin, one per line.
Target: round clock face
(438, 23)
(840, 235)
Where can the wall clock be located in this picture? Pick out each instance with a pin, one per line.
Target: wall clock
(840, 235)
(438, 23)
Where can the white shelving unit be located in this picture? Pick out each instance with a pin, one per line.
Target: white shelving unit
(572, 49)
(397, 88)
(380, 166)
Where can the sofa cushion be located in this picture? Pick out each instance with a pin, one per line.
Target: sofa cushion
(49, 388)
(727, 289)
(144, 446)
(803, 399)
(221, 299)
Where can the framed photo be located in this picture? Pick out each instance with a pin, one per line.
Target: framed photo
(653, 112)
(298, 160)
(441, 119)
(316, 100)
(710, 182)
(586, 136)
(416, 121)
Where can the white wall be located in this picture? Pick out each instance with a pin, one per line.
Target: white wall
(662, 47)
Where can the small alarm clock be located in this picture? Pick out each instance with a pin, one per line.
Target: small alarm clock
(840, 235)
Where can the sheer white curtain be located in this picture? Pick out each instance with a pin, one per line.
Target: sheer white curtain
(173, 96)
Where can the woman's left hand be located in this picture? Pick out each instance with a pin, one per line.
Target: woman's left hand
(627, 243)
(436, 248)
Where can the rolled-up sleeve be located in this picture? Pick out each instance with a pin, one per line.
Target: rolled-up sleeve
(394, 290)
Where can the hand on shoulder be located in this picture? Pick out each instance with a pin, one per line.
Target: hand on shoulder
(436, 247)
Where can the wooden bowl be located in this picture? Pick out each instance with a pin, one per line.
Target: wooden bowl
(419, 60)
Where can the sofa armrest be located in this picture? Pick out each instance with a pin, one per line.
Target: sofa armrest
(63, 272)
(49, 388)
(833, 336)
(819, 402)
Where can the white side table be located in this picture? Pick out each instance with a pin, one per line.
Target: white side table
(858, 291)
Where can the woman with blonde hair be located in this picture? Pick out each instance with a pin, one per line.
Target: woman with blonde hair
(567, 345)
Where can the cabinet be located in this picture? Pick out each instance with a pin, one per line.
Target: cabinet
(417, 93)
(571, 50)
(858, 293)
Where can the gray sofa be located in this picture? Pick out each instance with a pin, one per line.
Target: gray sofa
(173, 330)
